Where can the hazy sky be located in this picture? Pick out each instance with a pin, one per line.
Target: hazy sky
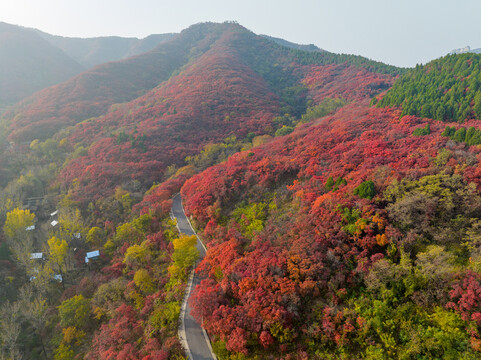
(399, 32)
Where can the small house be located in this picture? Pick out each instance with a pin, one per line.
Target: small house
(54, 213)
(30, 228)
(54, 223)
(36, 256)
(92, 255)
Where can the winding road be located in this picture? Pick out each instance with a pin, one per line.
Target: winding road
(193, 337)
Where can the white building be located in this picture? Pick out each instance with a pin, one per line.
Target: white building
(36, 256)
(92, 255)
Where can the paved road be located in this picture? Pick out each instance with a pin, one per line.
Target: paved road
(198, 347)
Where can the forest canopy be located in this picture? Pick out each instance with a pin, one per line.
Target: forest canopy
(446, 89)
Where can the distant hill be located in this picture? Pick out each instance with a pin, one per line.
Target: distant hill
(466, 49)
(30, 63)
(292, 45)
(32, 60)
(94, 51)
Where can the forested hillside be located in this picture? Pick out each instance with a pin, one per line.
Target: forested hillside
(234, 89)
(446, 89)
(289, 44)
(334, 229)
(353, 238)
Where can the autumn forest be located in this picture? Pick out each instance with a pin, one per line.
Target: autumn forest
(339, 200)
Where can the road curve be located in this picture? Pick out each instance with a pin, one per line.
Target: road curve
(193, 337)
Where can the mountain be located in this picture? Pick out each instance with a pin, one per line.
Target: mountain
(215, 97)
(237, 87)
(29, 63)
(91, 93)
(95, 51)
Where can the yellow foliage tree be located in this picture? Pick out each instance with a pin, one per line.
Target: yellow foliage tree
(185, 252)
(70, 224)
(19, 239)
(136, 254)
(8, 203)
(96, 236)
(71, 334)
(17, 221)
(64, 352)
(126, 233)
(58, 250)
(184, 256)
(143, 281)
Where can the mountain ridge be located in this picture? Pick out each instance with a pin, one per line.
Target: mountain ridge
(91, 52)
(95, 90)
(91, 93)
(29, 63)
(33, 60)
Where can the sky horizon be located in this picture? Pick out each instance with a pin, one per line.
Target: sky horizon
(401, 33)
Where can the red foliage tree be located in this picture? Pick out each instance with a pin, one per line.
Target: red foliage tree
(118, 338)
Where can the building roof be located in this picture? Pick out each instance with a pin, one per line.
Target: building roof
(54, 213)
(92, 255)
(54, 223)
(36, 255)
(30, 228)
